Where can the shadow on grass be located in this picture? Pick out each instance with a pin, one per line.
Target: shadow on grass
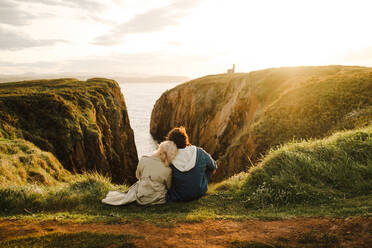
(311, 239)
(252, 244)
(82, 240)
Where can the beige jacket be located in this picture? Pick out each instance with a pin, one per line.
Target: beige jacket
(154, 179)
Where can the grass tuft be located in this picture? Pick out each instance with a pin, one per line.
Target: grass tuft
(313, 172)
(21, 162)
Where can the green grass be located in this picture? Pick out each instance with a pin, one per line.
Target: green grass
(309, 178)
(79, 193)
(210, 207)
(82, 240)
(315, 171)
(312, 172)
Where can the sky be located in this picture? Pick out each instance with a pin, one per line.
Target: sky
(189, 38)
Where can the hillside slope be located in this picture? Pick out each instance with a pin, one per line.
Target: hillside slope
(21, 162)
(311, 172)
(83, 123)
(238, 117)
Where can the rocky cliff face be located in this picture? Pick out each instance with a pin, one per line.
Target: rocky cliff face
(238, 117)
(83, 123)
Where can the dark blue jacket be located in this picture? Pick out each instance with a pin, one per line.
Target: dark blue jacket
(192, 184)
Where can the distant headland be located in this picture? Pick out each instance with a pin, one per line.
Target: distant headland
(119, 77)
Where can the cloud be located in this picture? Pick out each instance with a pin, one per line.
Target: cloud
(116, 65)
(82, 4)
(10, 14)
(13, 41)
(151, 21)
(37, 64)
(148, 63)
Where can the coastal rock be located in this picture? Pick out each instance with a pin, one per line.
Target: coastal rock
(83, 123)
(238, 117)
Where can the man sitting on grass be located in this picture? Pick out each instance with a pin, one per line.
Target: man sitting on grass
(192, 169)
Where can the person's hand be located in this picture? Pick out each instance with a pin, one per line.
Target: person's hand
(214, 172)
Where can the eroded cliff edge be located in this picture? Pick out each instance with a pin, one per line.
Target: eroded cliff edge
(239, 117)
(83, 123)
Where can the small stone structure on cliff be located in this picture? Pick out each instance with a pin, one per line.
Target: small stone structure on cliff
(231, 71)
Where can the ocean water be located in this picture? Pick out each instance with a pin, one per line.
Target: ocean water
(140, 99)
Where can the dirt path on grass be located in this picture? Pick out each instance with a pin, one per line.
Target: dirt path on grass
(316, 232)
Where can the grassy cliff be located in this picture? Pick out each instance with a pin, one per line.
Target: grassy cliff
(239, 117)
(84, 124)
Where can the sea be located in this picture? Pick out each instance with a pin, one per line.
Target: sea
(140, 99)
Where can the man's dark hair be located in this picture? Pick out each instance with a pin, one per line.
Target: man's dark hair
(179, 136)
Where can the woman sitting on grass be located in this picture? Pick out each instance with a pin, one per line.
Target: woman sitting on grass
(154, 179)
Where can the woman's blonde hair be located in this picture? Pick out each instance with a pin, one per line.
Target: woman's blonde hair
(167, 151)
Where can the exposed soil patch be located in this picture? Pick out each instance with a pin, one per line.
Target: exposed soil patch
(299, 232)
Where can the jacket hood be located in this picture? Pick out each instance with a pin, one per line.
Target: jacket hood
(185, 159)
